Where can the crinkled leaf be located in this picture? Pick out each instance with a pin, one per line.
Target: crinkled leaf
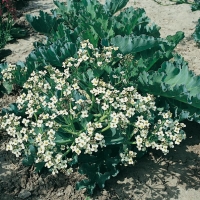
(102, 178)
(115, 5)
(196, 5)
(133, 44)
(125, 22)
(44, 23)
(196, 34)
(8, 87)
(55, 54)
(173, 80)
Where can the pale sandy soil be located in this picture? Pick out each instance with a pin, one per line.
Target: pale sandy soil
(154, 177)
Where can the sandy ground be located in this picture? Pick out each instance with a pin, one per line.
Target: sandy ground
(154, 177)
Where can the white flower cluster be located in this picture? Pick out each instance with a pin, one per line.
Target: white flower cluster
(127, 157)
(56, 100)
(7, 73)
(123, 105)
(88, 142)
(164, 134)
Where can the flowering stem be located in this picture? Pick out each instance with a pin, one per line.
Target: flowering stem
(105, 129)
(102, 118)
(71, 132)
(131, 142)
(97, 115)
(35, 116)
(93, 99)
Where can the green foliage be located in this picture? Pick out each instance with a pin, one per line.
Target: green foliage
(8, 31)
(174, 82)
(80, 21)
(196, 34)
(91, 49)
(45, 23)
(88, 113)
(5, 87)
(196, 5)
(113, 6)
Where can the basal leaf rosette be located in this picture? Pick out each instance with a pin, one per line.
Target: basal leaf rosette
(86, 107)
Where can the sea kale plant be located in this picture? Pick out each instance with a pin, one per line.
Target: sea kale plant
(196, 34)
(99, 92)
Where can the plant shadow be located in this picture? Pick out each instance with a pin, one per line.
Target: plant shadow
(158, 177)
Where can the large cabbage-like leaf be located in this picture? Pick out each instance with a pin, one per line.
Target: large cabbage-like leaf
(155, 56)
(115, 5)
(174, 81)
(54, 54)
(127, 20)
(44, 23)
(196, 34)
(133, 44)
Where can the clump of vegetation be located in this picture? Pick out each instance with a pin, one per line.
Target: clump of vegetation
(99, 92)
(196, 34)
(6, 25)
(8, 28)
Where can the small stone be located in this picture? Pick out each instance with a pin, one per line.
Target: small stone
(69, 191)
(59, 194)
(105, 193)
(24, 194)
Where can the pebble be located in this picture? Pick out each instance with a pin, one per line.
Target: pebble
(69, 191)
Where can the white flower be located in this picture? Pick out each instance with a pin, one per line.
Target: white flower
(113, 125)
(59, 87)
(95, 82)
(119, 55)
(98, 125)
(165, 115)
(176, 130)
(98, 136)
(49, 164)
(99, 63)
(25, 122)
(75, 86)
(105, 106)
(90, 130)
(84, 114)
(49, 124)
(115, 119)
(76, 150)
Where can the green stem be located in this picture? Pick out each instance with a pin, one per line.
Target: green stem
(71, 132)
(131, 142)
(105, 129)
(35, 116)
(102, 118)
(92, 102)
(97, 115)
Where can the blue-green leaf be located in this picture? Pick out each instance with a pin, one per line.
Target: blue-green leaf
(115, 5)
